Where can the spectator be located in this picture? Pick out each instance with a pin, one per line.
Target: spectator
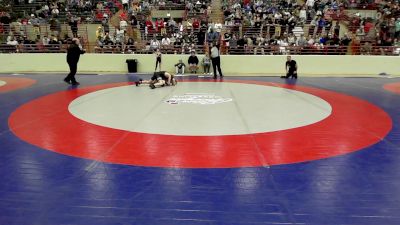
(206, 63)
(125, 4)
(45, 40)
(149, 25)
(227, 38)
(345, 40)
(123, 25)
(74, 26)
(201, 36)
(366, 49)
(119, 36)
(105, 25)
(165, 42)
(35, 22)
(130, 46)
(193, 62)
(108, 40)
(12, 41)
(212, 36)
(100, 32)
(232, 43)
(180, 67)
(154, 44)
(301, 41)
(160, 26)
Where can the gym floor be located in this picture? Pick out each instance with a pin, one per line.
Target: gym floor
(232, 151)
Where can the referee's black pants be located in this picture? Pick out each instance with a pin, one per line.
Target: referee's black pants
(216, 62)
(73, 66)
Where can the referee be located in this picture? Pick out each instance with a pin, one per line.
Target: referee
(216, 60)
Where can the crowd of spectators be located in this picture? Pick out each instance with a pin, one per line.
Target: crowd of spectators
(283, 26)
(171, 35)
(250, 27)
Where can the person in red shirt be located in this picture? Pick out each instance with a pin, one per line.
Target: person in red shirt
(123, 16)
(118, 5)
(99, 15)
(159, 25)
(149, 24)
(196, 24)
(367, 26)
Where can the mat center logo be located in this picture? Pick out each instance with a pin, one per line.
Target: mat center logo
(197, 98)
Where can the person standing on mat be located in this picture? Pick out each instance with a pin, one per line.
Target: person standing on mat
(291, 68)
(158, 59)
(216, 59)
(73, 53)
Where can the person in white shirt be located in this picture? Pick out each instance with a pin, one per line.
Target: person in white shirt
(165, 42)
(119, 36)
(123, 25)
(12, 42)
(303, 14)
(154, 44)
(45, 40)
(218, 27)
(216, 59)
(310, 3)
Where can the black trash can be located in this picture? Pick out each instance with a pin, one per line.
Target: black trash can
(132, 65)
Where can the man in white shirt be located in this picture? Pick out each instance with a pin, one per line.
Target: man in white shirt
(165, 42)
(216, 59)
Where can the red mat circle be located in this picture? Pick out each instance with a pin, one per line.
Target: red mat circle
(47, 123)
(15, 83)
(393, 87)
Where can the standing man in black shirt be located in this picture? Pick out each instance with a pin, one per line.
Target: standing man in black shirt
(291, 68)
(73, 54)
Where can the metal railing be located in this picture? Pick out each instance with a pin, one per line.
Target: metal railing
(201, 49)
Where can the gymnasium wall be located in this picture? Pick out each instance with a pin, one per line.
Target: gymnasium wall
(315, 65)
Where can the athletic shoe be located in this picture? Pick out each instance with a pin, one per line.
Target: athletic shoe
(67, 81)
(152, 86)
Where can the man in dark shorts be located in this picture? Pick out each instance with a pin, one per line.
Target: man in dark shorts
(291, 68)
(159, 79)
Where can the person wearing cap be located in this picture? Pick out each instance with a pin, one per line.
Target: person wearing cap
(73, 53)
